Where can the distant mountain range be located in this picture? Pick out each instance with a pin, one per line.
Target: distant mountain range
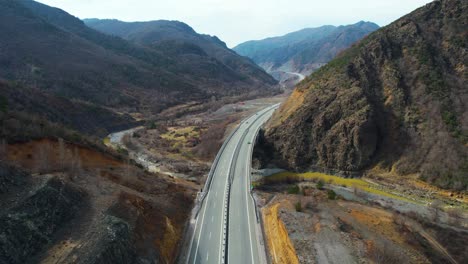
(306, 50)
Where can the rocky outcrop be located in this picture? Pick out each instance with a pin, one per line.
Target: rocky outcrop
(28, 227)
(110, 243)
(10, 177)
(396, 101)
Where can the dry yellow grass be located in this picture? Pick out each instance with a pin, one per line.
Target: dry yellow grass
(290, 106)
(180, 133)
(281, 248)
(106, 141)
(335, 180)
(169, 241)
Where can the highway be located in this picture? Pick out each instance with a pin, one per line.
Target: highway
(226, 229)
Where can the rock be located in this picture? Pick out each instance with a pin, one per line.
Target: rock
(28, 227)
(112, 245)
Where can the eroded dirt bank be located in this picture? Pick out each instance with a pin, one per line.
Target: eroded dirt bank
(84, 206)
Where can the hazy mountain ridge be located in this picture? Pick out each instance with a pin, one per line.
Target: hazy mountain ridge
(305, 50)
(395, 102)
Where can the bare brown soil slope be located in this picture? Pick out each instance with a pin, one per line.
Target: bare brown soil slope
(123, 215)
(281, 248)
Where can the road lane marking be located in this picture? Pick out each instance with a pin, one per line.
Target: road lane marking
(228, 149)
(224, 198)
(207, 256)
(210, 235)
(201, 229)
(247, 190)
(212, 217)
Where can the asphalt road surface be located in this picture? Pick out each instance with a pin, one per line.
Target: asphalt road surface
(226, 229)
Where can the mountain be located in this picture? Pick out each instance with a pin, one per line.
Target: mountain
(305, 50)
(56, 54)
(182, 42)
(396, 102)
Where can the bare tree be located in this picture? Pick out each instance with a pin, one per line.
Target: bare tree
(3, 149)
(43, 158)
(386, 252)
(455, 216)
(74, 165)
(435, 208)
(127, 167)
(62, 153)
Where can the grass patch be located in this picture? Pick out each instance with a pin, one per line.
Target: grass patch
(298, 207)
(181, 134)
(106, 141)
(294, 189)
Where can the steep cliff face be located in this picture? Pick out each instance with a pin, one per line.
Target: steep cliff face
(396, 100)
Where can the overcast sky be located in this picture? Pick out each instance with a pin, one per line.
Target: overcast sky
(236, 21)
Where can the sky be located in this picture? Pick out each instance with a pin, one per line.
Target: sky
(237, 21)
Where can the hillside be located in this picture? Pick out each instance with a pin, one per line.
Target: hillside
(50, 50)
(305, 50)
(182, 42)
(395, 103)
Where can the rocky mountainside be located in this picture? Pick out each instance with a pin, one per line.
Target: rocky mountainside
(49, 50)
(395, 103)
(306, 50)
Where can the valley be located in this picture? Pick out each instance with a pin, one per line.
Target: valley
(151, 142)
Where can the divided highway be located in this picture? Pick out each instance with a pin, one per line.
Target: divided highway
(226, 228)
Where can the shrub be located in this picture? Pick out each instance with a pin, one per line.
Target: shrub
(152, 125)
(298, 207)
(386, 252)
(320, 184)
(122, 151)
(294, 189)
(3, 104)
(331, 195)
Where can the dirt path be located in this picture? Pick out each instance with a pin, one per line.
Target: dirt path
(281, 248)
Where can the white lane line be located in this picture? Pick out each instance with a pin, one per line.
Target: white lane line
(210, 235)
(207, 256)
(212, 217)
(216, 195)
(224, 195)
(248, 215)
(201, 230)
